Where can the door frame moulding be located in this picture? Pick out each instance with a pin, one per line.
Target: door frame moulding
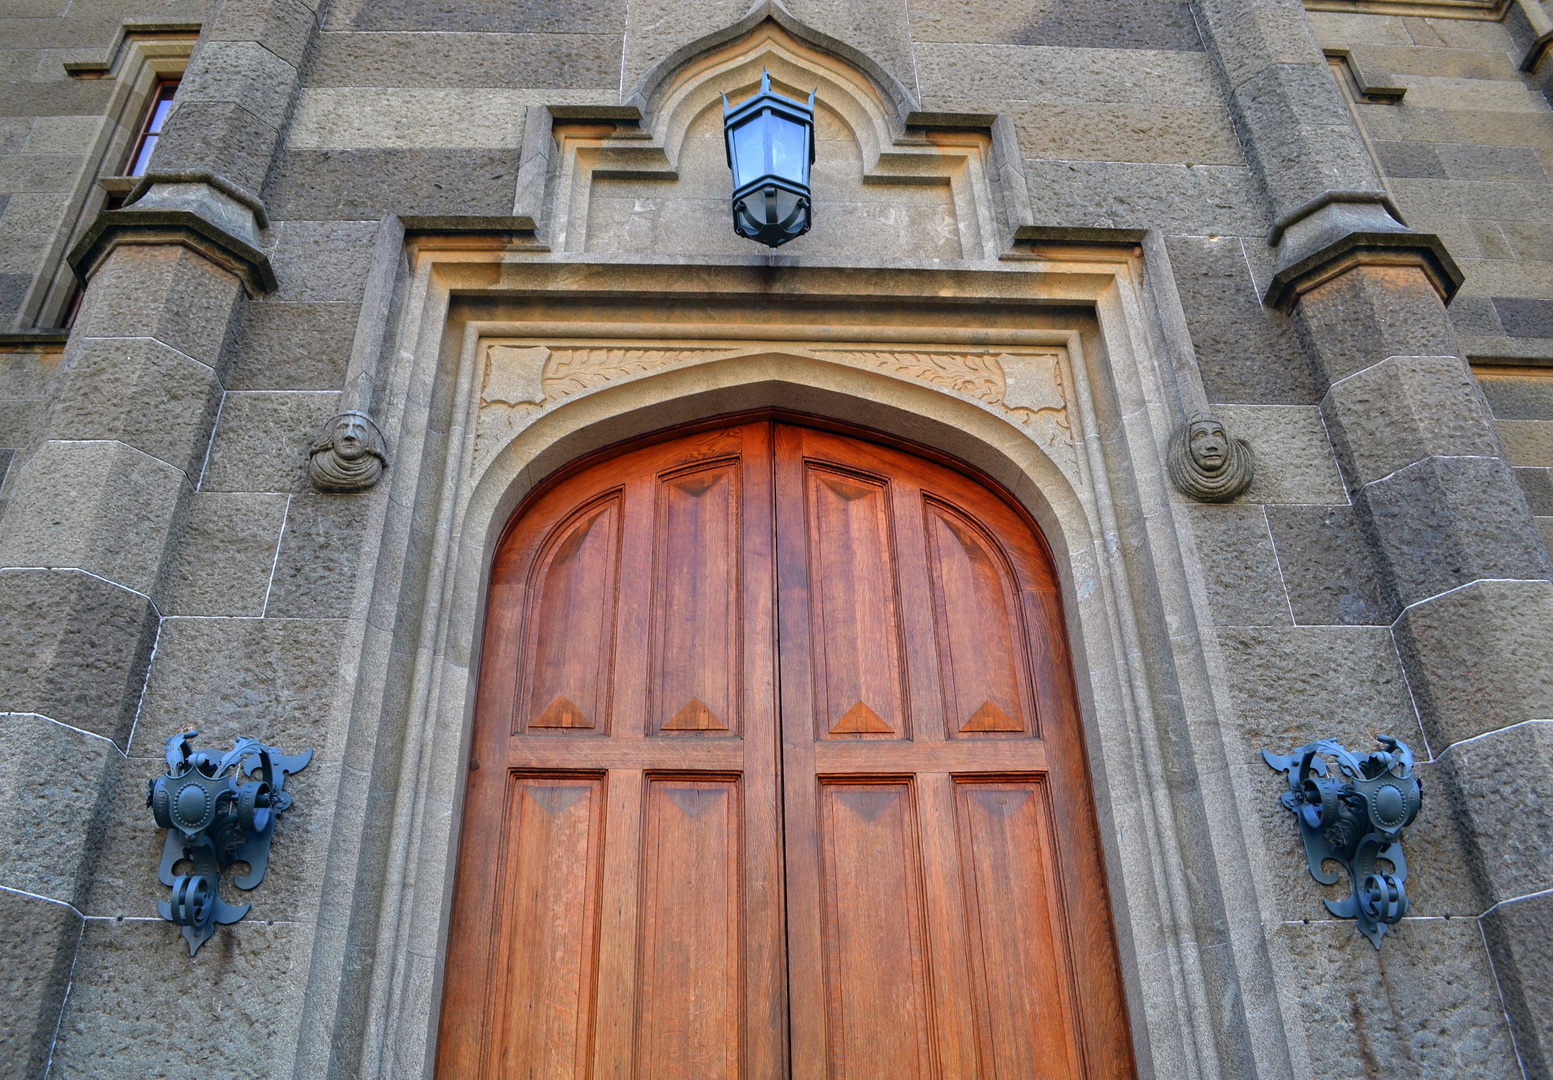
(1190, 920)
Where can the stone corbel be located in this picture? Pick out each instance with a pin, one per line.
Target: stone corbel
(1205, 463)
(1339, 230)
(198, 210)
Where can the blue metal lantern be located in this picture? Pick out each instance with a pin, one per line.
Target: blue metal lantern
(770, 148)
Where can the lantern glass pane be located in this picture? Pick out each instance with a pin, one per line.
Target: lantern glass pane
(749, 151)
(788, 152)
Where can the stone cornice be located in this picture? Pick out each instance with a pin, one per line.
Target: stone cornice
(115, 228)
(1367, 248)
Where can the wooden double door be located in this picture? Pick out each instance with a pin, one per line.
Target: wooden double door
(777, 772)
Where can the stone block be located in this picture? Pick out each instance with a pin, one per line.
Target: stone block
(1538, 486)
(262, 440)
(1526, 394)
(1501, 789)
(1445, 522)
(1404, 409)
(1478, 658)
(1294, 461)
(294, 346)
(1174, 198)
(1250, 38)
(315, 572)
(1126, 132)
(967, 75)
(222, 137)
(164, 292)
(27, 374)
(1359, 318)
(323, 260)
(284, 27)
(20, 421)
(140, 392)
(1425, 1004)
(1292, 685)
(1123, 24)
(1409, 159)
(562, 61)
(97, 506)
(1527, 442)
(265, 678)
(226, 555)
(1326, 566)
(354, 184)
(240, 73)
(54, 783)
(37, 945)
(481, 16)
(65, 134)
(1520, 934)
(1239, 566)
(139, 1006)
(74, 648)
(1246, 353)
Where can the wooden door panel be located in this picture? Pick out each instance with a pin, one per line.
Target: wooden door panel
(1015, 922)
(692, 941)
(696, 592)
(876, 967)
(851, 561)
(541, 1003)
(980, 632)
(571, 621)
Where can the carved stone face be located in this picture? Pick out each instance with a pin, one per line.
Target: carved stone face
(350, 438)
(1209, 445)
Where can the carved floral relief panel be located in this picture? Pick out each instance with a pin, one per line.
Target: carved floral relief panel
(1031, 386)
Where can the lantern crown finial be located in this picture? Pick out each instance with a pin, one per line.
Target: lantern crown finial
(770, 144)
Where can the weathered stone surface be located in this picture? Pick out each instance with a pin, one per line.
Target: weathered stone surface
(226, 554)
(1291, 686)
(545, 59)
(139, 1006)
(1520, 933)
(140, 392)
(1527, 396)
(323, 260)
(283, 27)
(355, 183)
(164, 292)
(37, 944)
(272, 679)
(1425, 1004)
(261, 441)
(1239, 565)
(97, 506)
(294, 347)
(1358, 319)
(1480, 658)
(1175, 198)
(1527, 442)
(1246, 354)
(1403, 409)
(482, 16)
(1445, 522)
(52, 784)
(1502, 789)
(315, 574)
(74, 648)
(1294, 460)
(239, 72)
(1326, 566)
(217, 136)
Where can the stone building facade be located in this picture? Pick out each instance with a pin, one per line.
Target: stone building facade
(1046, 235)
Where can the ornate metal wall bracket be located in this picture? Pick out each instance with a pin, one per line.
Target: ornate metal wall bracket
(214, 818)
(1357, 822)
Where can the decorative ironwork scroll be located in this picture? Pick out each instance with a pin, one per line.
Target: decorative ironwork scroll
(1357, 822)
(214, 818)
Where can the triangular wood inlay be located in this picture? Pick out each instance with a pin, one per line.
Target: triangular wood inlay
(695, 717)
(991, 718)
(860, 720)
(561, 714)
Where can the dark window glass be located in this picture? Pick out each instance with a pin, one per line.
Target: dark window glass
(156, 116)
